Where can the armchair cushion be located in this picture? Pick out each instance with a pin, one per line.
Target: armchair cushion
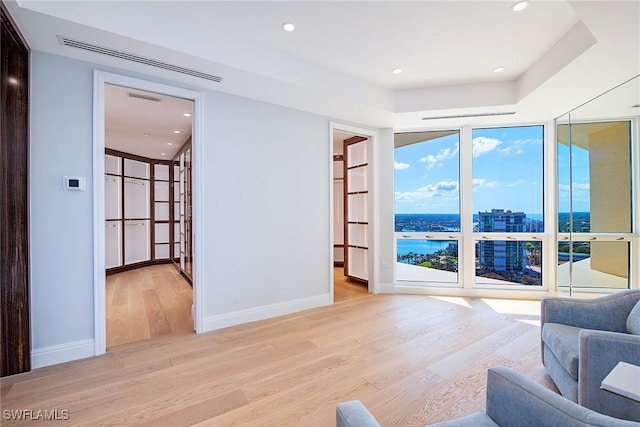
(564, 343)
(633, 320)
(607, 313)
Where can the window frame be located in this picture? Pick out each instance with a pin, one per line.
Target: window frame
(467, 238)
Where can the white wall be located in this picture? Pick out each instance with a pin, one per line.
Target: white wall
(386, 218)
(265, 214)
(60, 221)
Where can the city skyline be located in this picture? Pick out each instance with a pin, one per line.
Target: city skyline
(517, 261)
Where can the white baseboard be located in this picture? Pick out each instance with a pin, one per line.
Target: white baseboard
(61, 353)
(470, 293)
(387, 288)
(212, 323)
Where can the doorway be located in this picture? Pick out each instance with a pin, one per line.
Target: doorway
(147, 242)
(147, 188)
(147, 193)
(352, 237)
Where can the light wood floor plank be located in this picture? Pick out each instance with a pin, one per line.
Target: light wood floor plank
(147, 303)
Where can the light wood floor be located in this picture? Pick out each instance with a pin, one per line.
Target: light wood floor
(147, 303)
(411, 359)
(344, 290)
(152, 302)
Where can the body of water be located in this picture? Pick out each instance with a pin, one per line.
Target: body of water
(422, 247)
(449, 223)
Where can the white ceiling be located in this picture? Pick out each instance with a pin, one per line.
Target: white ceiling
(557, 54)
(138, 125)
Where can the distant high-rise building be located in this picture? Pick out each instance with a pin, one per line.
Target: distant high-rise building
(501, 255)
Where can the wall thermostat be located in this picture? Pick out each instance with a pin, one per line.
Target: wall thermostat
(74, 182)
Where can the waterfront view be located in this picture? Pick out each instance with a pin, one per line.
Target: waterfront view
(497, 261)
(498, 172)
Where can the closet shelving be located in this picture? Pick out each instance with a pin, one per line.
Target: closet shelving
(140, 211)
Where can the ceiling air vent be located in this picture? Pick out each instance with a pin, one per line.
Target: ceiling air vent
(65, 41)
(143, 96)
(462, 116)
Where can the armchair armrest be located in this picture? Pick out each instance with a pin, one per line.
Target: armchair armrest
(600, 352)
(516, 401)
(354, 414)
(607, 313)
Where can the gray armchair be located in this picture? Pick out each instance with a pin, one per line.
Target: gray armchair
(512, 401)
(583, 340)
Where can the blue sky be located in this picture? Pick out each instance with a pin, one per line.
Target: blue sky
(581, 188)
(507, 172)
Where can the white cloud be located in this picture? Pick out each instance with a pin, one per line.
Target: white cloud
(512, 150)
(483, 183)
(400, 166)
(483, 145)
(444, 154)
(439, 189)
(516, 183)
(517, 146)
(576, 187)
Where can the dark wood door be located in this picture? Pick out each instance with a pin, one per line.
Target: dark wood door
(14, 210)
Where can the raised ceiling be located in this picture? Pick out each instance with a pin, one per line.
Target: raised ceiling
(338, 61)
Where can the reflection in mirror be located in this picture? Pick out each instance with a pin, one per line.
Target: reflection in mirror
(594, 148)
(594, 175)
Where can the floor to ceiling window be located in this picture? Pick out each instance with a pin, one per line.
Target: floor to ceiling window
(508, 208)
(469, 207)
(427, 206)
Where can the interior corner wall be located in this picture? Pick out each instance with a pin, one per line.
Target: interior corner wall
(265, 213)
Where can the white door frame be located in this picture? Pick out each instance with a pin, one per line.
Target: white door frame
(100, 78)
(373, 283)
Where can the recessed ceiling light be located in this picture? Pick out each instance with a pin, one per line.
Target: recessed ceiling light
(176, 131)
(521, 5)
(396, 70)
(169, 143)
(186, 114)
(498, 69)
(147, 134)
(288, 26)
(163, 154)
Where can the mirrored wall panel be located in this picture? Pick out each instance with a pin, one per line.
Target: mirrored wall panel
(595, 191)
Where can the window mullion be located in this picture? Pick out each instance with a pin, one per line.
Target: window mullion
(467, 242)
(550, 176)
